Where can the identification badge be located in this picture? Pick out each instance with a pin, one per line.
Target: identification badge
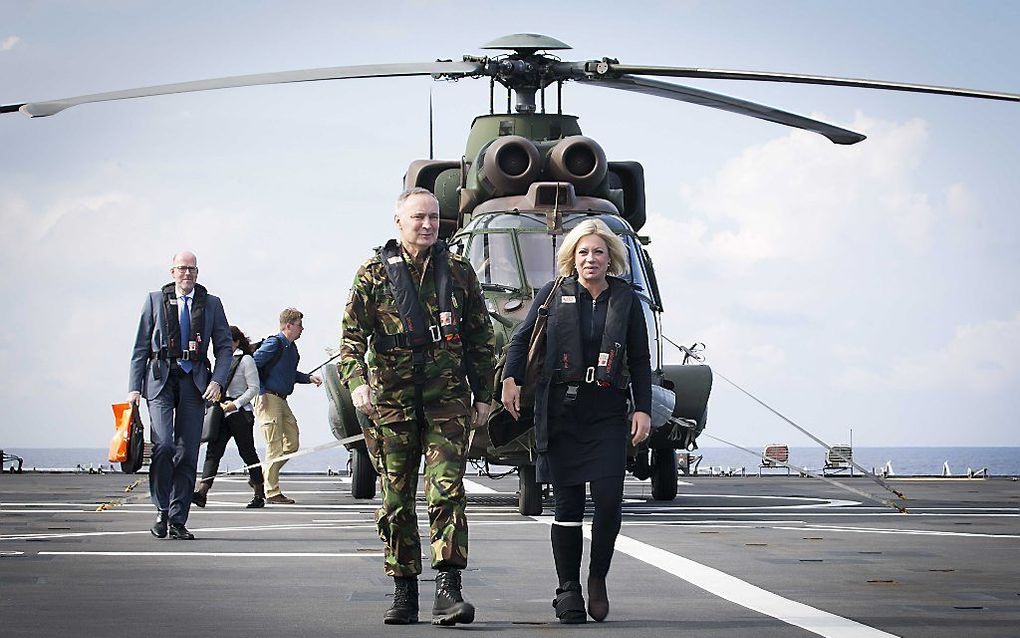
(446, 318)
(395, 259)
(603, 359)
(173, 301)
(193, 346)
(568, 299)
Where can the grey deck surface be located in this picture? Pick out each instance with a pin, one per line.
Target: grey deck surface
(730, 557)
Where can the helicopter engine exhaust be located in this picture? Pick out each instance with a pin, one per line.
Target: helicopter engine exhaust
(579, 160)
(509, 165)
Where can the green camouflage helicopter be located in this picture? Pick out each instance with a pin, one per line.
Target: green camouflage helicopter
(526, 177)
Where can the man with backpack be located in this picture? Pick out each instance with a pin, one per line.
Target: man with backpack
(277, 360)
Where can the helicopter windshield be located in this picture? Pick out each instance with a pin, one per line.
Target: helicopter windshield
(493, 255)
(494, 260)
(538, 252)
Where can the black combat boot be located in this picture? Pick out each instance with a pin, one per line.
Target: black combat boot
(450, 607)
(259, 500)
(404, 610)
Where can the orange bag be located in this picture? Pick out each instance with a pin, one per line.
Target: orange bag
(122, 423)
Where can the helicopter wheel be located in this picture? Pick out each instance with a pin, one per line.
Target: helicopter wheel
(362, 474)
(529, 500)
(664, 474)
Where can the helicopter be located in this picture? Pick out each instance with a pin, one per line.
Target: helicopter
(527, 175)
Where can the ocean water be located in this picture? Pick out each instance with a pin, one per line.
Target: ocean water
(999, 461)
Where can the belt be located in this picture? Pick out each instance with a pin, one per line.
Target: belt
(275, 393)
(386, 342)
(187, 355)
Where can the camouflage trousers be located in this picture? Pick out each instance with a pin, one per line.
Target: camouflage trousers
(396, 450)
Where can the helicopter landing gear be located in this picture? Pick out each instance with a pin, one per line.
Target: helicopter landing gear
(664, 474)
(362, 474)
(529, 496)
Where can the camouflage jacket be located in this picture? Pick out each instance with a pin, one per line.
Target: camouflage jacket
(454, 369)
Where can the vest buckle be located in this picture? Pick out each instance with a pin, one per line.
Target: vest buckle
(589, 374)
(571, 395)
(437, 334)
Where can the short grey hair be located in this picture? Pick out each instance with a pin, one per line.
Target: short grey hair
(417, 190)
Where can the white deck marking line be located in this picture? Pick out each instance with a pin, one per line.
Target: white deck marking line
(225, 554)
(745, 594)
(243, 480)
(741, 592)
(802, 526)
(257, 528)
(748, 511)
(821, 500)
(917, 532)
(477, 488)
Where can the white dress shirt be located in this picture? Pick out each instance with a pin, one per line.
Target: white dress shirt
(181, 297)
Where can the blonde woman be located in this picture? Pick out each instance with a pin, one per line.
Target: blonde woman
(596, 354)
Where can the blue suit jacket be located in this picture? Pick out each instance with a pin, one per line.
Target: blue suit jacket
(149, 375)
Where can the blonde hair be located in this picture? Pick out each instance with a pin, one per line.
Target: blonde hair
(617, 251)
(290, 315)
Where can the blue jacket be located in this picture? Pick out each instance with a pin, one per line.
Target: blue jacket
(282, 373)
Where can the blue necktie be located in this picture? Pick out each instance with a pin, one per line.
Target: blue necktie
(185, 333)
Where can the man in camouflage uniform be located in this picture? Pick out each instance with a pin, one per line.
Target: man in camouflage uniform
(418, 397)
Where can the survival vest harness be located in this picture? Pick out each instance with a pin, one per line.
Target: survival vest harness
(610, 369)
(419, 333)
(173, 349)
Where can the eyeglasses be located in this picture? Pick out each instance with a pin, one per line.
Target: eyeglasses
(182, 269)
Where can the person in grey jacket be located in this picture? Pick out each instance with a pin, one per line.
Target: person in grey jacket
(170, 366)
(238, 423)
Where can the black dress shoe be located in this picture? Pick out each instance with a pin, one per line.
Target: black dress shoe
(180, 532)
(158, 528)
(198, 498)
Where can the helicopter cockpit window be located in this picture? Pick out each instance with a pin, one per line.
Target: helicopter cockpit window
(493, 258)
(636, 276)
(538, 252)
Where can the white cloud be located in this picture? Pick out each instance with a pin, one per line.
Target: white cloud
(9, 42)
(982, 357)
(961, 203)
(793, 198)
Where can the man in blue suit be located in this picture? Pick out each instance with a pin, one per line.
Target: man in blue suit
(170, 366)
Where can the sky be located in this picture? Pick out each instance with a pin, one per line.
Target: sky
(872, 287)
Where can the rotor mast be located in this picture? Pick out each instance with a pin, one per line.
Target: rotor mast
(525, 71)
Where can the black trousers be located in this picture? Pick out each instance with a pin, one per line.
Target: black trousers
(241, 426)
(607, 496)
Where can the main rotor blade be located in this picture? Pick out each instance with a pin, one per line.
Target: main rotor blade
(51, 107)
(725, 103)
(765, 76)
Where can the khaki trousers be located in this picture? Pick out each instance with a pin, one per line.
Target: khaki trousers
(280, 429)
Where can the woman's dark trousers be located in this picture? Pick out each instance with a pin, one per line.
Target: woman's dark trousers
(240, 426)
(567, 543)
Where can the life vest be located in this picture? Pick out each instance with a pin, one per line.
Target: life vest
(420, 330)
(196, 348)
(610, 369)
